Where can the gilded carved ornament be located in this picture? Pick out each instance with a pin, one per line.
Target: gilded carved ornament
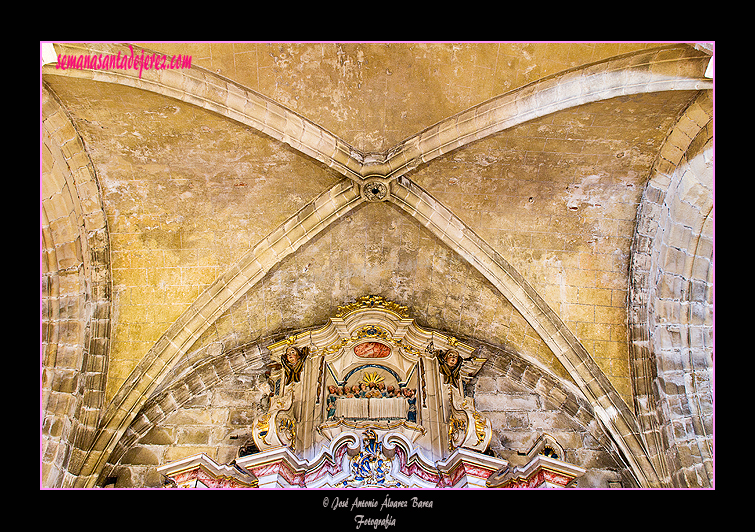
(370, 302)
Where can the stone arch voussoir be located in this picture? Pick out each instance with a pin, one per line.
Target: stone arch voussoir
(75, 295)
(670, 303)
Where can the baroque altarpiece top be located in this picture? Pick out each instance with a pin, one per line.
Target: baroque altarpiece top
(372, 400)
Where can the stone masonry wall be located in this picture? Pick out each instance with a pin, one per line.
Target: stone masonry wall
(210, 411)
(524, 403)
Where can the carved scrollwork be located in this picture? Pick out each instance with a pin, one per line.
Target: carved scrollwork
(372, 301)
(467, 427)
(271, 428)
(457, 429)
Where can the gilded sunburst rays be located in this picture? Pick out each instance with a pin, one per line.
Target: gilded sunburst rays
(375, 377)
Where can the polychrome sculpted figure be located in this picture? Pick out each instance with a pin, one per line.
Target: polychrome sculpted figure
(370, 467)
(331, 401)
(411, 399)
(293, 363)
(450, 367)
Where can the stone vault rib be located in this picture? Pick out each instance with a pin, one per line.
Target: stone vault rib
(671, 67)
(216, 299)
(608, 405)
(205, 89)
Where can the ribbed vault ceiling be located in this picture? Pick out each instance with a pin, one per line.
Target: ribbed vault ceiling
(187, 193)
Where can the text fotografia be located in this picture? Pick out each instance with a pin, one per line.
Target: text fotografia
(385, 522)
(140, 62)
(357, 504)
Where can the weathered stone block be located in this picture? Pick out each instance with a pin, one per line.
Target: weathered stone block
(158, 436)
(505, 402)
(140, 456)
(188, 435)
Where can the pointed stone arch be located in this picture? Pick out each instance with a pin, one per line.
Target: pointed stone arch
(670, 305)
(76, 294)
